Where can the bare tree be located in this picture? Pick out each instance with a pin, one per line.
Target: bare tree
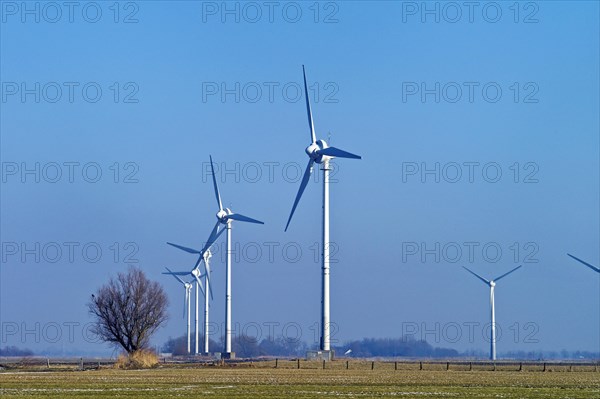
(128, 310)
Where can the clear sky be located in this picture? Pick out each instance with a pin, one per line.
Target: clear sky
(478, 127)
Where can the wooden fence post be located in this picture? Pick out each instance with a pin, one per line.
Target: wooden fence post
(276, 360)
(420, 365)
(395, 365)
(470, 366)
(372, 365)
(298, 364)
(544, 366)
(447, 366)
(323, 364)
(347, 365)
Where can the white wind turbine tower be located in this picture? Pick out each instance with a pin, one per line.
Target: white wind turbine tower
(226, 216)
(186, 304)
(492, 285)
(594, 268)
(207, 255)
(319, 152)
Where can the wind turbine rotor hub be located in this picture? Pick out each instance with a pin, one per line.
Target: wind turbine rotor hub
(196, 272)
(492, 283)
(222, 215)
(312, 150)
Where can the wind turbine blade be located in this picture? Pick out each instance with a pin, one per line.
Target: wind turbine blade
(506, 274)
(199, 284)
(308, 111)
(177, 273)
(303, 184)
(186, 249)
(172, 274)
(477, 275)
(208, 283)
(207, 275)
(336, 152)
(585, 263)
(242, 218)
(197, 263)
(214, 234)
(215, 184)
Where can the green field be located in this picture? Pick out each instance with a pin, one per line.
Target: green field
(264, 381)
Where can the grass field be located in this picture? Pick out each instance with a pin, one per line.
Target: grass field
(265, 381)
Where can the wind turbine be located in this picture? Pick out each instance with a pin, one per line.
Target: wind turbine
(203, 253)
(224, 216)
(197, 276)
(594, 268)
(492, 285)
(319, 152)
(188, 287)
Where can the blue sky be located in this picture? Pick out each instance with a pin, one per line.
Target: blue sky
(362, 61)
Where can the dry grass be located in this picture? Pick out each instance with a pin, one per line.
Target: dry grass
(140, 359)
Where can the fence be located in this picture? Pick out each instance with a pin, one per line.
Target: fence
(302, 364)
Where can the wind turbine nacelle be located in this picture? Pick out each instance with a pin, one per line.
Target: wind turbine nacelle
(312, 149)
(322, 144)
(222, 214)
(492, 283)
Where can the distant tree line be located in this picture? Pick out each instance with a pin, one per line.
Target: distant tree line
(247, 347)
(178, 346)
(551, 355)
(243, 346)
(393, 347)
(14, 351)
